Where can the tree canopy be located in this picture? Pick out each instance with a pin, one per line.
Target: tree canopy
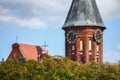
(57, 68)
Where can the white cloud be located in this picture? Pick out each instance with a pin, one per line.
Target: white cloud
(4, 11)
(39, 13)
(113, 56)
(33, 22)
(109, 8)
(38, 7)
(118, 47)
(6, 18)
(33, 13)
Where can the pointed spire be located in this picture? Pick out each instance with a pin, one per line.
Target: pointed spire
(83, 13)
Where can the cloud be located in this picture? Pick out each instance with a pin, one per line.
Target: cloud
(33, 13)
(109, 8)
(6, 18)
(36, 7)
(113, 56)
(4, 11)
(118, 47)
(39, 13)
(33, 22)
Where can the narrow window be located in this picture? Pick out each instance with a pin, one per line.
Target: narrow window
(81, 45)
(97, 48)
(73, 47)
(90, 45)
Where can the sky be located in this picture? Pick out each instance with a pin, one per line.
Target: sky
(38, 21)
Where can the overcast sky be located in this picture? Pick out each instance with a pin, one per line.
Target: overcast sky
(36, 21)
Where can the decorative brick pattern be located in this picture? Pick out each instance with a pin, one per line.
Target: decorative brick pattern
(84, 33)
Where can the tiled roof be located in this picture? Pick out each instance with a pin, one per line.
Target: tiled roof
(30, 52)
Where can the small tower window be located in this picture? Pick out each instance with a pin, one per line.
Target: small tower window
(81, 45)
(73, 47)
(97, 48)
(90, 45)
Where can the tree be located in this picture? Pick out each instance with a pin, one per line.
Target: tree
(57, 68)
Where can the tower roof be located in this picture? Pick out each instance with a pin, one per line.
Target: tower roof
(83, 13)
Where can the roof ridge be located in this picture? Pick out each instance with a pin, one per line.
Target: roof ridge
(27, 44)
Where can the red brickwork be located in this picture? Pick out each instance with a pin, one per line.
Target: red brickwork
(15, 53)
(85, 34)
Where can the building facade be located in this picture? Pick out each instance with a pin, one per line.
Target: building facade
(26, 51)
(84, 32)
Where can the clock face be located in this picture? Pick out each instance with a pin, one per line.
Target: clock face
(71, 37)
(98, 34)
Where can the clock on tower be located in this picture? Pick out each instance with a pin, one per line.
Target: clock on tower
(84, 32)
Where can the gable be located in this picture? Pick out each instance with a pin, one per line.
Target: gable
(15, 54)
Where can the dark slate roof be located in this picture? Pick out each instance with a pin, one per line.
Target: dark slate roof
(82, 13)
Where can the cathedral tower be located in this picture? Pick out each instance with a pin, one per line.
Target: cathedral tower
(84, 32)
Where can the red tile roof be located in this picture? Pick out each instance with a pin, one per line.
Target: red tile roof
(30, 52)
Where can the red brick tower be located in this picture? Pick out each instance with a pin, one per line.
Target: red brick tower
(84, 32)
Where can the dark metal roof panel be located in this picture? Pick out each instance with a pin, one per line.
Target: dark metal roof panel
(82, 13)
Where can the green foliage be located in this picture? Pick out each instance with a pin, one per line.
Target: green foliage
(57, 68)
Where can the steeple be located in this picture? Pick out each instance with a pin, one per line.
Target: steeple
(84, 32)
(83, 13)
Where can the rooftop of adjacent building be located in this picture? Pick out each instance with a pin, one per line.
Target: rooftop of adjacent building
(29, 51)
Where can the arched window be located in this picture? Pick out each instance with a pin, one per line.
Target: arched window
(97, 48)
(90, 45)
(81, 45)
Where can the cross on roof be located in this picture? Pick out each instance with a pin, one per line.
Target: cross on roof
(44, 45)
(16, 39)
